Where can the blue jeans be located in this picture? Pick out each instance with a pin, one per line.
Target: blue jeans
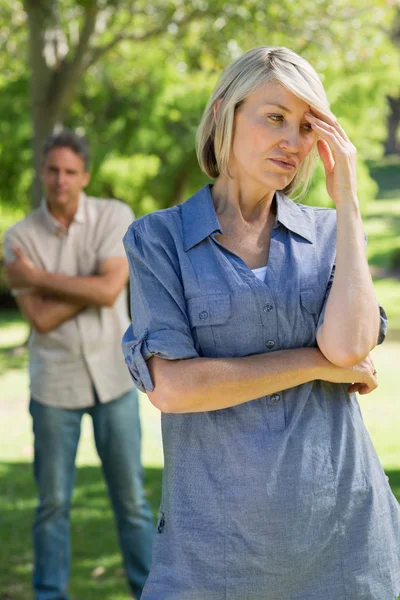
(117, 436)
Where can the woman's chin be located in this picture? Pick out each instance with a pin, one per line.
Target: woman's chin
(277, 181)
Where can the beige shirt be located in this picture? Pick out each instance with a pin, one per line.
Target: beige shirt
(85, 350)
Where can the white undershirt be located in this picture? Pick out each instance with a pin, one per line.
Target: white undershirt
(260, 273)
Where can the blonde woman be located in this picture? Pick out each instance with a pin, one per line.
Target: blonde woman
(254, 320)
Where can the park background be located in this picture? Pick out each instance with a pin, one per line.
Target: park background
(134, 77)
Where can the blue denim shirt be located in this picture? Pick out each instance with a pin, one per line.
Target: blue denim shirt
(282, 497)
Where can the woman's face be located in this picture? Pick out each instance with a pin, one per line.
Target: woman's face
(271, 138)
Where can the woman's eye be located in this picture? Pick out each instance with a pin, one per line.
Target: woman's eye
(307, 127)
(275, 118)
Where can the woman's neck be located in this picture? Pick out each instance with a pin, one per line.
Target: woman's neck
(246, 202)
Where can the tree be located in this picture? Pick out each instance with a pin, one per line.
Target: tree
(96, 63)
(392, 143)
(66, 39)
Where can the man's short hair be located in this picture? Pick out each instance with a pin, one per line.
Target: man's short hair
(67, 139)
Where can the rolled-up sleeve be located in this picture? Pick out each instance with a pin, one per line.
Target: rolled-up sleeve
(160, 325)
(383, 316)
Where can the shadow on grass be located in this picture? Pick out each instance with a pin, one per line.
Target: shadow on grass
(13, 357)
(386, 173)
(97, 571)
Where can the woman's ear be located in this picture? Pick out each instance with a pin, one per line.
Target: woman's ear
(216, 106)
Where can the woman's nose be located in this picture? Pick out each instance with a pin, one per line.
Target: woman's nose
(290, 141)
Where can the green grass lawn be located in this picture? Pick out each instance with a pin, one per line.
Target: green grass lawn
(96, 565)
(97, 572)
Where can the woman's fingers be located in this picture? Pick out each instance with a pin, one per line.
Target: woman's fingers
(367, 374)
(354, 387)
(330, 120)
(326, 156)
(361, 388)
(327, 133)
(366, 389)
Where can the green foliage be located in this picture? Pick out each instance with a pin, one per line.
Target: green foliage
(140, 104)
(382, 226)
(15, 150)
(126, 178)
(386, 172)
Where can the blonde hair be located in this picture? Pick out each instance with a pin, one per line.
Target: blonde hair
(241, 79)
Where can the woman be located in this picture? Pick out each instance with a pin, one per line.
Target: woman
(254, 319)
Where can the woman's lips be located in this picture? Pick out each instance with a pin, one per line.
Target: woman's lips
(283, 165)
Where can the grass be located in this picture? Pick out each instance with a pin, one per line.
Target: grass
(96, 565)
(97, 572)
(382, 226)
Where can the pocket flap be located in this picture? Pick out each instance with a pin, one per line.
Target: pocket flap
(310, 298)
(213, 309)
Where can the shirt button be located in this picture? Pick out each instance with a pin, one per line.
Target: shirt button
(275, 398)
(203, 315)
(267, 308)
(270, 344)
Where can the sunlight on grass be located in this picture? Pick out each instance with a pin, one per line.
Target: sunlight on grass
(388, 294)
(13, 328)
(14, 334)
(381, 408)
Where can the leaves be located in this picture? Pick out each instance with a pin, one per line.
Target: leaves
(135, 77)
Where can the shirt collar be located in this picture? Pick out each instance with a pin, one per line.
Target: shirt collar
(200, 219)
(295, 217)
(54, 225)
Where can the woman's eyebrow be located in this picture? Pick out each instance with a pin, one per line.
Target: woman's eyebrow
(278, 105)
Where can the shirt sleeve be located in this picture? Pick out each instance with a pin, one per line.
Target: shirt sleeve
(11, 238)
(9, 256)
(383, 317)
(118, 220)
(160, 325)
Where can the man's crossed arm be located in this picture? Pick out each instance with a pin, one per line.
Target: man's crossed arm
(54, 298)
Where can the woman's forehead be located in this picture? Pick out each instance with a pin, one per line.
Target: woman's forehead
(275, 93)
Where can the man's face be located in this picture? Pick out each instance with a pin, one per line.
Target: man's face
(64, 177)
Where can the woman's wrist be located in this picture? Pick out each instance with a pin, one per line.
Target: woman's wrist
(348, 206)
(321, 366)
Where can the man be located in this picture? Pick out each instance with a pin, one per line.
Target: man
(67, 268)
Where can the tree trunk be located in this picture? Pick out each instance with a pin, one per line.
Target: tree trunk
(392, 144)
(56, 68)
(41, 17)
(56, 71)
(42, 127)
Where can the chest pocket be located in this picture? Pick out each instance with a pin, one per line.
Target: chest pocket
(209, 319)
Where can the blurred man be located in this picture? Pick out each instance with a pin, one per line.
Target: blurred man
(66, 266)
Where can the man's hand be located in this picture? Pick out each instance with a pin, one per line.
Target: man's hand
(22, 272)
